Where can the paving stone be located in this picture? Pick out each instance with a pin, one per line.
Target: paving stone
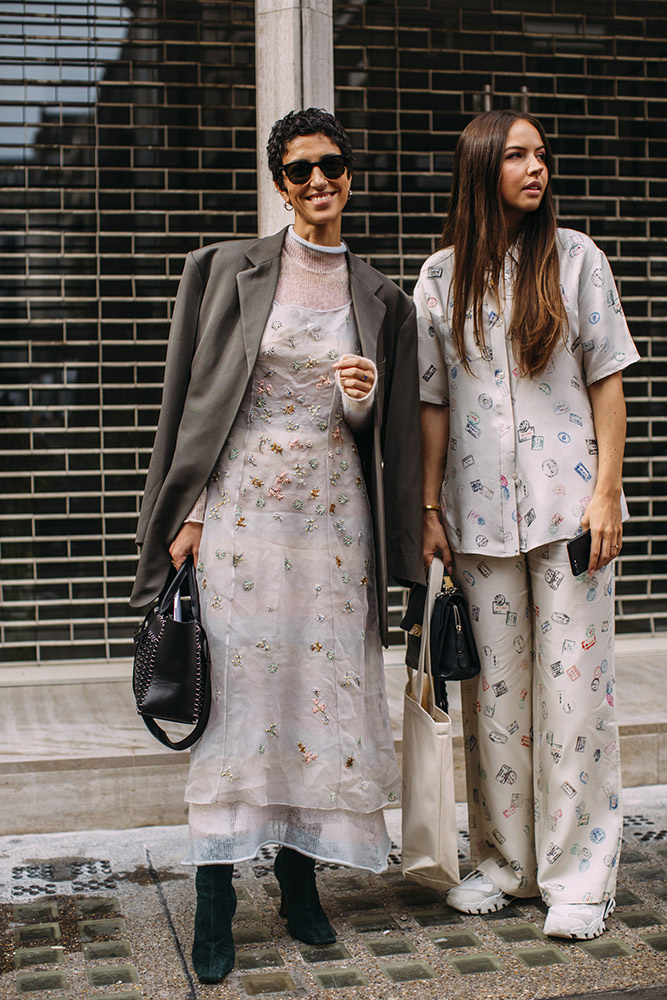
(377, 922)
(418, 896)
(390, 946)
(624, 897)
(28, 913)
(535, 958)
(269, 982)
(104, 906)
(32, 982)
(444, 940)
(653, 874)
(258, 958)
(37, 934)
(657, 941)
(106, 949)
(340, 884)
(435, 915)
(132, 995)
(243, 893)
(392, 877)
(251, 935)
(481, 961)
(631, 857)
(660, 891)
(24, 957)
(271, 889)
(605, 947)
(249, 912)
(359, 901)
(336, 978)
(93, 930)
(518, 932)
(408, 972)
(324, 952)
(109, 975)
(646, 917)
(507, 913)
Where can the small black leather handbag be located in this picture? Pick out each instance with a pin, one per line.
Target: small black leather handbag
(171, 676)
(454, 655)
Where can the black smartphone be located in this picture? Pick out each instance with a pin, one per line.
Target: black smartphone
(579, 551)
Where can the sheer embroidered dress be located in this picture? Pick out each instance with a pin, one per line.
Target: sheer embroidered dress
(298, 749)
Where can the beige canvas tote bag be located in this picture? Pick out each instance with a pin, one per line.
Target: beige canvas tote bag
(430, 854)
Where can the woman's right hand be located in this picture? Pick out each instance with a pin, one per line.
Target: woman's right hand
(186, 542)
(435, 541)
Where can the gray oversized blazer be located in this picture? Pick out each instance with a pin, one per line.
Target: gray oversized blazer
(221, 310)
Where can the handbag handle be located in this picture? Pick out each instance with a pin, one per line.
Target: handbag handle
(192, 737)
(435, 584)
(185, 573)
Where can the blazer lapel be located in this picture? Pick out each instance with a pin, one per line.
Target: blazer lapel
(256, 287)
(369, 311)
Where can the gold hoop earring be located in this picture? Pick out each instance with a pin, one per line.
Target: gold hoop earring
(288, 206)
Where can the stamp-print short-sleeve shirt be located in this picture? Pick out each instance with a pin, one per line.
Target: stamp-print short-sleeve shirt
(522, 457)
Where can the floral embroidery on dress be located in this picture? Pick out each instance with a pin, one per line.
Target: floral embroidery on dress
(348, 679)
(248, 585)
(272, 729)
(220, 553)
(319, 706)
(237, 659)
(308, 755)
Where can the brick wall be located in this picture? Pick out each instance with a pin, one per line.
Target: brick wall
(127, 137)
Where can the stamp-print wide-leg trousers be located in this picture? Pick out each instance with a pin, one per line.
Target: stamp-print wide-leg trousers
(540, 731)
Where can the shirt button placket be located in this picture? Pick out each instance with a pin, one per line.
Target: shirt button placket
(507, 431)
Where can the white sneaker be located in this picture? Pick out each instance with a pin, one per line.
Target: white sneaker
(477, 894)
(577, 920)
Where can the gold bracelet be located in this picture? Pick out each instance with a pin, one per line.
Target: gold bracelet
(431, 506)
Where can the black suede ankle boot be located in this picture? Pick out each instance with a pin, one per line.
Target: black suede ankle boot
(306, 920)
(213, 945)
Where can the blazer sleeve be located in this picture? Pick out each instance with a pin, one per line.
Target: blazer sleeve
(180, 349)
(401, 448)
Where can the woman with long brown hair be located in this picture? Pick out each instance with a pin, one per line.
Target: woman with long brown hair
(522, 343)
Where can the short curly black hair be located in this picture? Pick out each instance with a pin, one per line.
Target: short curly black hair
(308, 122)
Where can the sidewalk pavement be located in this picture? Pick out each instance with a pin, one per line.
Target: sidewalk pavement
(108, 915)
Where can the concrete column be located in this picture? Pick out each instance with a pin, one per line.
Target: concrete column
(294, 69)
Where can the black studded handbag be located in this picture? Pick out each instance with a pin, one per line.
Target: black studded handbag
(171, 675)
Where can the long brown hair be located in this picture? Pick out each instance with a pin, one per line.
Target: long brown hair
(475, 227)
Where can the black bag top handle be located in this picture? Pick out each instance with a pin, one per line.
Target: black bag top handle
(185, 573)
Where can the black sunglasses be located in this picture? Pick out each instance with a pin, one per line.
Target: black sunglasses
(299, 171)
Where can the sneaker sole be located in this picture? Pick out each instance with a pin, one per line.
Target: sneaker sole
(487, 906)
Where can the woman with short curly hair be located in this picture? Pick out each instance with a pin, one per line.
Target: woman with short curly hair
(291, 404)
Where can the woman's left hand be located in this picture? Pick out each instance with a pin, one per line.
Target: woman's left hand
(357, 375)
(603, 517)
